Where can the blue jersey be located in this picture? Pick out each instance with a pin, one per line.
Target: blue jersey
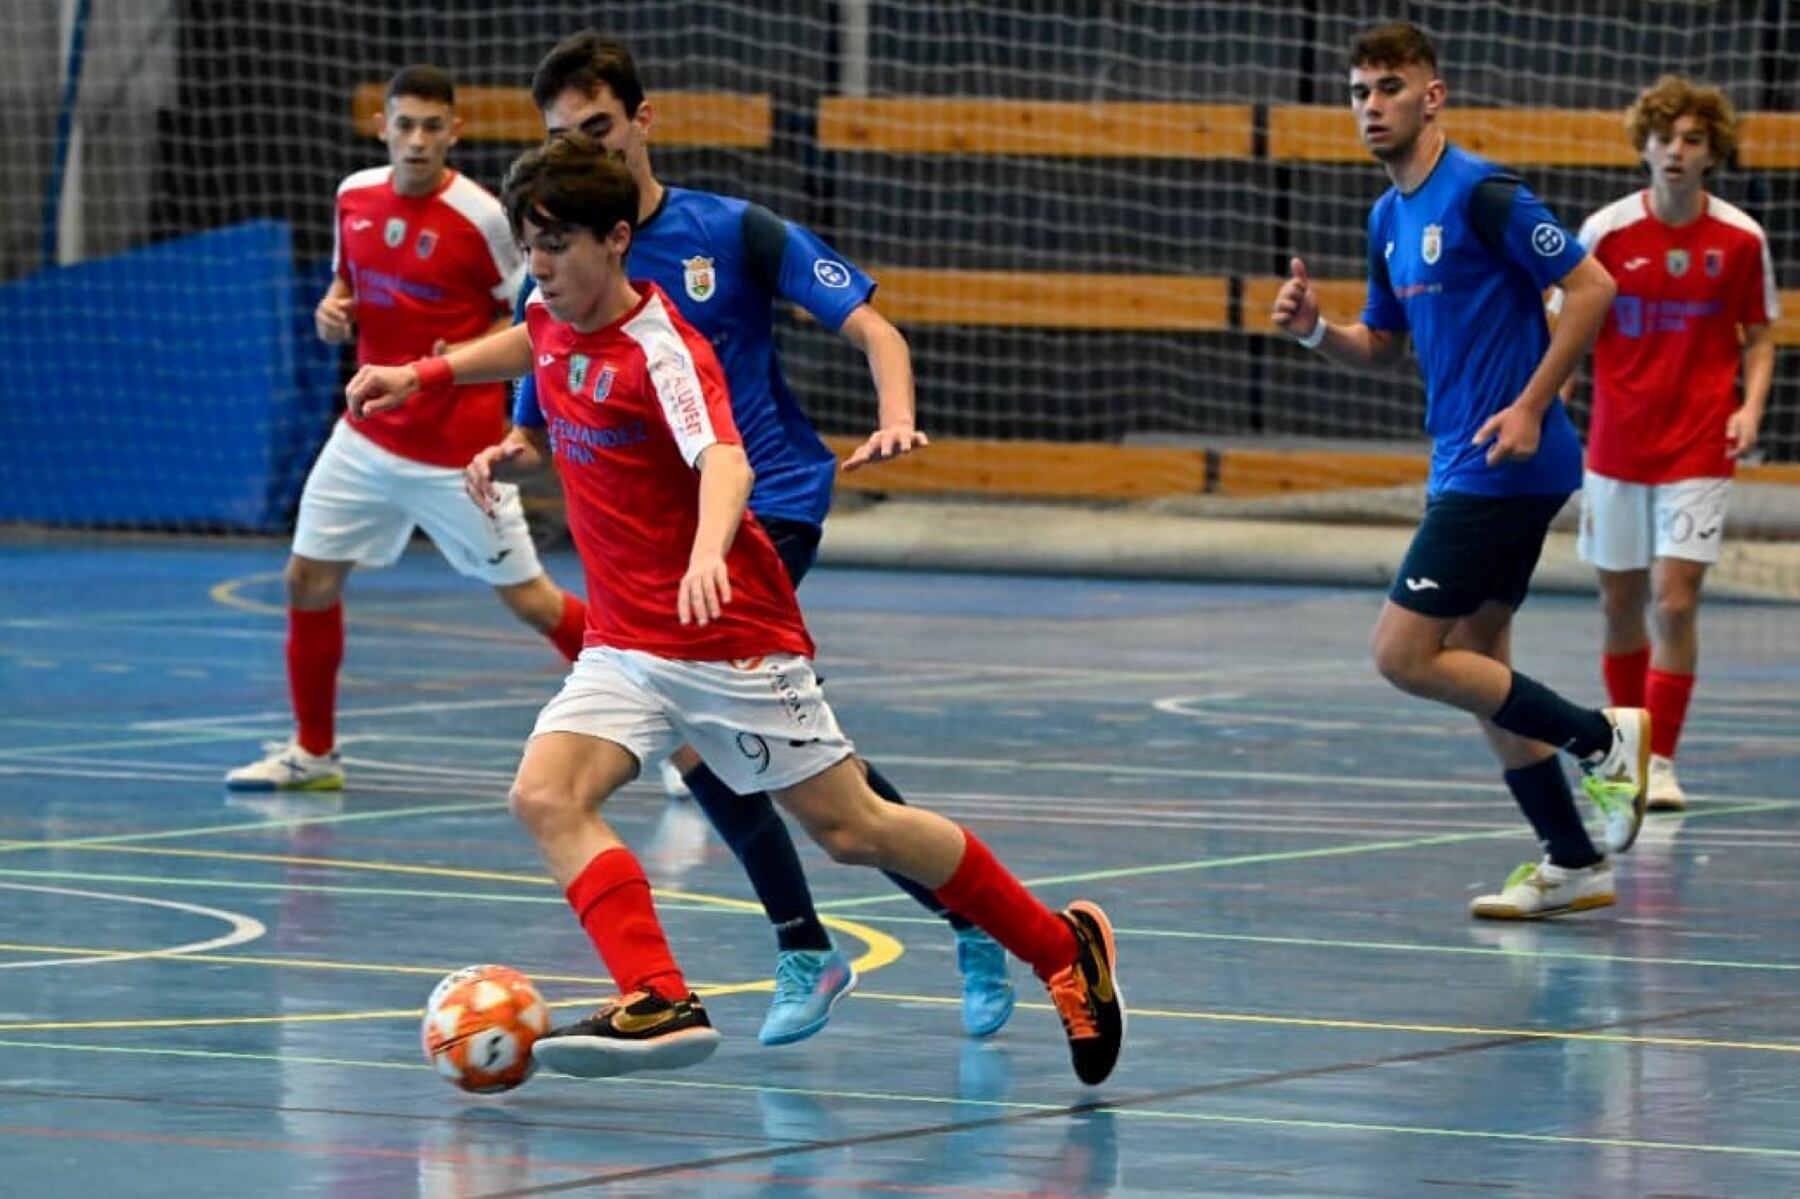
(725, 262)
(1461, 262)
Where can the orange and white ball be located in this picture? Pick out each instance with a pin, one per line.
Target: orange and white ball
(480, 1024)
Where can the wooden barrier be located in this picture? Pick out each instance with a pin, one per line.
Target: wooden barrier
(1088, 471)
(1184, 303)
(1058, 129)
(1561, 137)
(506, 114)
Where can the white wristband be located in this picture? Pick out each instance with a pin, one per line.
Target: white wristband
(1311, 340)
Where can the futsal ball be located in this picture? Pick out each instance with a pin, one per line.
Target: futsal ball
(480, 1023)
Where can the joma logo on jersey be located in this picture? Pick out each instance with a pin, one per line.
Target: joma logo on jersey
(697, 276)
(395, 232)
(1431, 244)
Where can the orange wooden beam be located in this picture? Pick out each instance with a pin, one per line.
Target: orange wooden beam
(506, 114)
(956, 125)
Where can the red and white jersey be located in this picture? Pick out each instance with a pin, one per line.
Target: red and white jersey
(629, 408)
(1667, 359)
(424, 268)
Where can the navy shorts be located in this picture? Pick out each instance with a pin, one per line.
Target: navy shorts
(796, 542)
(1471, 549)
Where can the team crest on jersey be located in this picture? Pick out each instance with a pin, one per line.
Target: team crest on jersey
(1431, 244)
(1714, 260)
(578, 372)
(1677, 262)
(426, 244)
(697, 277)
(603, 383)
(395, 233)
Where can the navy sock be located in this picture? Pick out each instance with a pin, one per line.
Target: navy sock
(1533, 710)
(928, 898)
(762, 843)
(1543, 794)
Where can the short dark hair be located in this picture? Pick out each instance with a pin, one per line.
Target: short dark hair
(584, 61)
(567, 183)
(1401, 44)
(424, 82)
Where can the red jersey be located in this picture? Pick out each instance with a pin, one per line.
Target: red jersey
(1667, 359)
(629, 408)
(424, 268)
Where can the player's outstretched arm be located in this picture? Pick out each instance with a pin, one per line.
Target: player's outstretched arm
(1296, 313)
(524, 451)
(505, 354)
(725, 478)
(1512, 433)
(890, 364)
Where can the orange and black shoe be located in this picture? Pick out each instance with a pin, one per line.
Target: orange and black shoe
(1087, 995)
(640, 1031)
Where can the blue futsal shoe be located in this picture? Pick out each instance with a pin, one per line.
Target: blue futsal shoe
(987, 998)
(808, 984)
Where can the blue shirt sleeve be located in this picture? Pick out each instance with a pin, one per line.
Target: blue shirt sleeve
(526, 412)
(811, 273)
(1382, 310)
(1520, 230)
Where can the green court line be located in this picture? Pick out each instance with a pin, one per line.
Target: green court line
(1121, 1108)
(1296, 855)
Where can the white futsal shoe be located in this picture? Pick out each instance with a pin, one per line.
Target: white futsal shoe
(1539, 889)
(1616, 781)
(1665, 793)
(289, 768)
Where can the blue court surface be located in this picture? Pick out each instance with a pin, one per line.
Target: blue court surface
(209, 995)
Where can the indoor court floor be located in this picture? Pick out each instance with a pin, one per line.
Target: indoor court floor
(211, 995)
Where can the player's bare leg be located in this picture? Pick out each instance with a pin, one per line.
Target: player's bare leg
(1574, 875)
(811, 974)
(656, 1023)
(315, 650)
(1073, 953)
(1417, 654)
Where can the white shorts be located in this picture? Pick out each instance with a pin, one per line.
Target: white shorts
(1624, 526)
(362, 503)
(761, 724)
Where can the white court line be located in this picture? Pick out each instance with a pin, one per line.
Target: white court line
(464, 705)
(243, 929)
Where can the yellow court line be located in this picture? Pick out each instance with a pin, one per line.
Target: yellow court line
(717, 990)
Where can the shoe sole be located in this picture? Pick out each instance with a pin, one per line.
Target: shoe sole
(1640, 802)
(817, 1026)
(326, 784)
(606, 1057)
(1092, 910)
(1666, 803)
(1586, 903)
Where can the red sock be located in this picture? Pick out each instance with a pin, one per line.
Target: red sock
(1667, 697)
(1625, 674)
(570, 628)
(611, 897)
(987, 894)
(315, 650)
